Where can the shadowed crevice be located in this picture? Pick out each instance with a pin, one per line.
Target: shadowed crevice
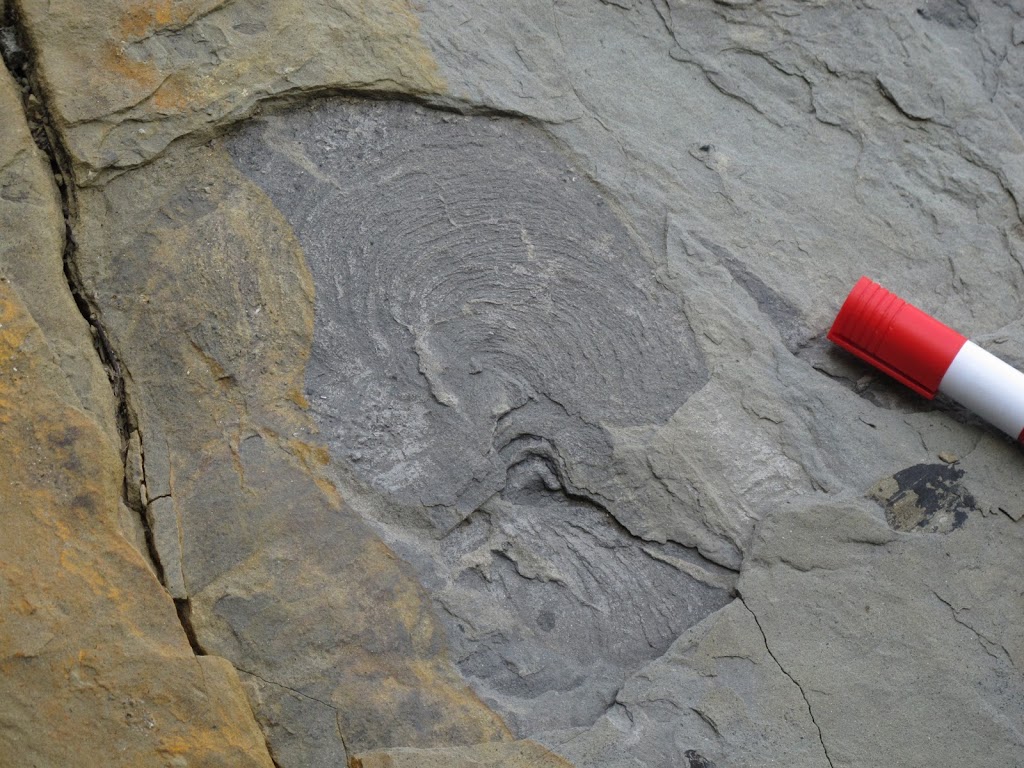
(20, 60)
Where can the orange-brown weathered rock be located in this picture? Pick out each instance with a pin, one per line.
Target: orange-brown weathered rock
(95, 667)
(31, 257)
(124, 79)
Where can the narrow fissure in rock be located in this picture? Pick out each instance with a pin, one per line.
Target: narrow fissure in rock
(183, 607)
(19, 60)
(803, 695)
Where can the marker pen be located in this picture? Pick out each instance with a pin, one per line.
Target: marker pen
(929, 357)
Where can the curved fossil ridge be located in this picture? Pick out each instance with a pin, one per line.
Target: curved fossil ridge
(464, 270)
(484, 323)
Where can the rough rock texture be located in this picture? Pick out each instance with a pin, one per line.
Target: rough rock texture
(516, 754)
(95, 668)
(486, 329)
(938, 633)
(512, 436)
(125, 79)
(470, 281)
(769, 154)
(335, 636)
(31, 258)
(880, 636)
(717, 694)
(782, 136)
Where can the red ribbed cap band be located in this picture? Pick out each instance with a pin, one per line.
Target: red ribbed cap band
(896, 337)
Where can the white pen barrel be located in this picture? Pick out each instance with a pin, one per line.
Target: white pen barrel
(986, 385)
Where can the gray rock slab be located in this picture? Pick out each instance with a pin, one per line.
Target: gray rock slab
(992, 470)
(850, 640)
(717, 697)
(904, 644)
(988, 39)
(489, 338)
(568, 355)
(768, 156)
(810, 143)
(743, 164)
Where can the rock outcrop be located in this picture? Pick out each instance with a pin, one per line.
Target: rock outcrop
(445, 383)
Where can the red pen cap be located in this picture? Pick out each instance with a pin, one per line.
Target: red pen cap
(908, 344)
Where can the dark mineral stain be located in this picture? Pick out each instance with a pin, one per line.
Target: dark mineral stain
(546, 620)
(65, 438)
(695, 759)
(925, 498)
(85, 502)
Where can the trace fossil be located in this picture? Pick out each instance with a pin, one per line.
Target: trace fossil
(484, 323)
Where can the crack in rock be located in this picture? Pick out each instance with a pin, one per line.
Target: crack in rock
(782, 669)
(20, 59)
